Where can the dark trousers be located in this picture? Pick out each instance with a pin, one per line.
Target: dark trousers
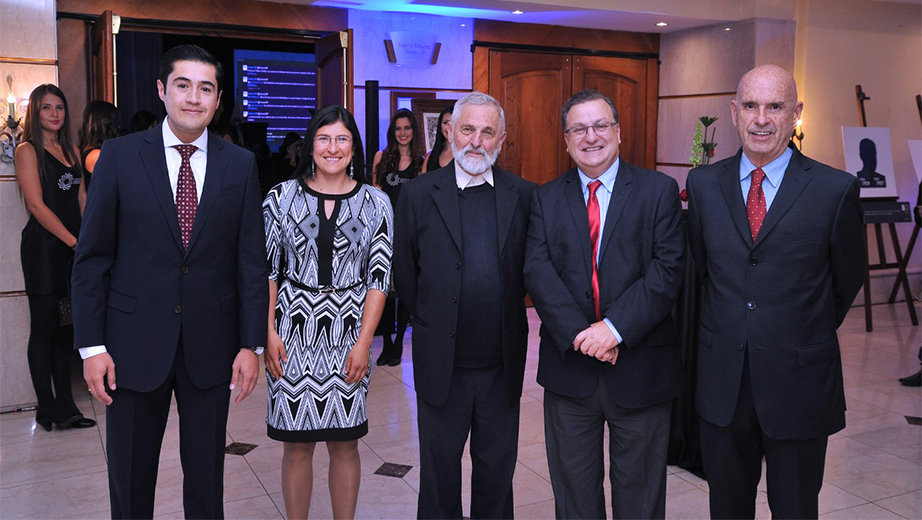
(477, 404)
(135, 422)
(638, 441)
(733, 455)
(50, 353)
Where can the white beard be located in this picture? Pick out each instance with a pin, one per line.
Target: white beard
(472, 165)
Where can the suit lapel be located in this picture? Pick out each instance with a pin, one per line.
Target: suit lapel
(795, 180)
(573, 191)
(214, 175)
(506, 200)
(729, 180)
(446, 200)
(621, 191)
(153, 158)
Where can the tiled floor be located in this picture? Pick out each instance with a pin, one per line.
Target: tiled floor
(873, 468)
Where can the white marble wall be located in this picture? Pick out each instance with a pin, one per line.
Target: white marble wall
(27, 31)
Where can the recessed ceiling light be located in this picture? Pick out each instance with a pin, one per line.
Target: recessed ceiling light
(727, 29)
(518, 12)
(662, 24)
(464, 25)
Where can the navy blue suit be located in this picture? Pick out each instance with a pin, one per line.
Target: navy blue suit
(165, 313)
(769, 368)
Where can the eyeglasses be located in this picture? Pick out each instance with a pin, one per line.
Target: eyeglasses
(324, 140)
(600, 129)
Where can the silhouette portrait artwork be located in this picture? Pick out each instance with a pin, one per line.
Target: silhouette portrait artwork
(868, 175)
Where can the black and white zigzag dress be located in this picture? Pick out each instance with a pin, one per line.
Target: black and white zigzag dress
(350, 251)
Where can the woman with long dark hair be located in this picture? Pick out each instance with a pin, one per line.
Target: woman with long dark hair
(440, 155)
(100, 123)
(399, 162)
(329, 243)
(50, 177)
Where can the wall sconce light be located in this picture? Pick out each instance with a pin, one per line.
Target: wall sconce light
(10, 132)
(798, 134)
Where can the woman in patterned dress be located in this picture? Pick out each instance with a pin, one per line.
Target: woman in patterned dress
(328, 238)
(401, 161)
(49, 175)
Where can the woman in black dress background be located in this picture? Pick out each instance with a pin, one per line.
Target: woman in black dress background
(100, 123)
(50, 177)
(399, 162)
(440, 155)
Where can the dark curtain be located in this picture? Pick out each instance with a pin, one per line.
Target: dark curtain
(137, 60)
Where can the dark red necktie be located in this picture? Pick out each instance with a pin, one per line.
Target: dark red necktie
(755, 203)
(592, 207)
(186, 196)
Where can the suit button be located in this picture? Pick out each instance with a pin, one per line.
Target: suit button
(178, 309)
(751, 305)
(588, 295)
(454, 299)
(753, 261)
(458, 265)
(451, 334)
(185, 269)
(739, 347)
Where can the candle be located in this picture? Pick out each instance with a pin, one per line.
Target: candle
(11, 101)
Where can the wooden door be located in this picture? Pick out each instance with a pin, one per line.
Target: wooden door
(532, 88)
(103, 56)
(625, 82)
(334, 70)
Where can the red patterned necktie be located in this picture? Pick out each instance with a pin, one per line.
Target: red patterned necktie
(592, 207)
(186, 196)
(755, 203)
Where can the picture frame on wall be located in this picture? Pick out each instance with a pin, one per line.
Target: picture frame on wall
(427, 115)
(869, 156)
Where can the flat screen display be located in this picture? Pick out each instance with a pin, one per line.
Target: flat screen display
(278, 89)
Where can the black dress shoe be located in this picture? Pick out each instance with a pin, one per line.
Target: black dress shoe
(83, 422)
(47, 424)
(913, 380)
(393, 361)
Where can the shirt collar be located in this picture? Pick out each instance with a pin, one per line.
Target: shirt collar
(170, 139)
(466, 180)
(774, 171)
(608, 178)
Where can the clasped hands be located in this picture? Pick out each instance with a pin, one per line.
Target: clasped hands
(597, 341)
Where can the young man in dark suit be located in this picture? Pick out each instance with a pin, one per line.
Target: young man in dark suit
(459, 245)
(170, 290)
(779, 245)
(604, 264)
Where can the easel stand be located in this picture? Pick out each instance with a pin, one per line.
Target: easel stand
(901, 277)
(890, 219)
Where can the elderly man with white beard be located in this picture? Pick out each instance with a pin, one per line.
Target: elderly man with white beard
(459, 251)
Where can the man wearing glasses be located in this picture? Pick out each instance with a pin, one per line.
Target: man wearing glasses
(604, 262)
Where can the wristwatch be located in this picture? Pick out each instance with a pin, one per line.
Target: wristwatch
(256, 350)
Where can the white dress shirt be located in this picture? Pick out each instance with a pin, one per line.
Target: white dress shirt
(466, 180)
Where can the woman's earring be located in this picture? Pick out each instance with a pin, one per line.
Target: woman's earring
(351, 171)
(312, 169)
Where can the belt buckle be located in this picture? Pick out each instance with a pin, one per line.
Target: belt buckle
(329, 289)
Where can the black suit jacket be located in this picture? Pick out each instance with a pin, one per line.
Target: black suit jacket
(427, 274)
(640, 272)
(782, 297)
(136, 290)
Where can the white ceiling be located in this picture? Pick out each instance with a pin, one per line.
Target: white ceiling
(621, 15)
